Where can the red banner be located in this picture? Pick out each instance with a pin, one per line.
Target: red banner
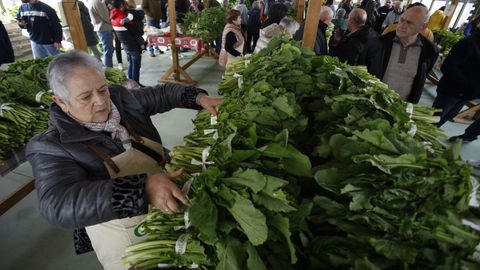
(180, 42)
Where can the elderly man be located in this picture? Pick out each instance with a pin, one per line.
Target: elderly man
(349, 48)
(394, 15)
(43, 26)
(100, 163)
(402, 59)
(321, 46)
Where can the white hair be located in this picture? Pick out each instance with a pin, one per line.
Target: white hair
(289, 25)
(62, 67)
(326, 12)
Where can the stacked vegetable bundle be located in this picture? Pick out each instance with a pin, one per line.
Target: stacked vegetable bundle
(206, 25)
(446, 39)
(24, 101)
(383, 193)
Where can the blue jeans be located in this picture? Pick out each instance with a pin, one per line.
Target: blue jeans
(106, 38)
(450, 106)
(43, 50)
(134, 63)
(154, 23)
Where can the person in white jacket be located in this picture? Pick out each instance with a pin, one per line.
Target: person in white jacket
(100, 16)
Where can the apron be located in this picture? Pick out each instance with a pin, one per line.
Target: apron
(110, 239)
(231, 58)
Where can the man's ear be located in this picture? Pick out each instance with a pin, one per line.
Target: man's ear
(61, 103)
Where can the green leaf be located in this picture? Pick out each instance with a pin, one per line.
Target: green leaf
(254, 262)
(250, 178)
(203, 215)
(394, 250)
(231, 255)
(294, 161)
(283, 226)
(378, 139)
(250, 219)
(281, 104)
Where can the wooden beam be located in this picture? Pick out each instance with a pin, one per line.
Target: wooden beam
(311, 24)
(409, 2)
(206, 3)
(449, 11)
(300, 10)
(72, 14)
(173, 35)
(17, 196)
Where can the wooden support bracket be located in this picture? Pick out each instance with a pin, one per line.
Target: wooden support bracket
(311, 24)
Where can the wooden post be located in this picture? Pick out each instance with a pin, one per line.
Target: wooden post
(72, 14)
(450, 12)
(173, 34)
(409, 2)
(206, 4)
(311, 24)
(300, 10)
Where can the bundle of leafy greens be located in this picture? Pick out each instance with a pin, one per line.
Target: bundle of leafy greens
(446, 39)
(313, 164)
(206, 25)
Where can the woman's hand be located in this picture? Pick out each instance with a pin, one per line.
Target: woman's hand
(163, 194)
(210, 103)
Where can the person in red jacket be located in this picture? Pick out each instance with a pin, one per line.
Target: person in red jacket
(126, 24)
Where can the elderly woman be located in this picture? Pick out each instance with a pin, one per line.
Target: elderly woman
(232, 39)
(100, 163)
(287, 27)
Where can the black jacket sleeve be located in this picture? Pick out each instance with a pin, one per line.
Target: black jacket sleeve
(349, 51)
(55, 25)
(69, 198)
(164, 97)
(229, 42)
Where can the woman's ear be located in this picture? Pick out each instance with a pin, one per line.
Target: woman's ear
(61, 103)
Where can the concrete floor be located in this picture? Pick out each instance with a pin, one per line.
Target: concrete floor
(29, 242)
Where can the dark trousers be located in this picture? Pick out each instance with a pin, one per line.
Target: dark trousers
(134, 63)
(154, 23)
(252, 37)
(118, 49)
(451, 106)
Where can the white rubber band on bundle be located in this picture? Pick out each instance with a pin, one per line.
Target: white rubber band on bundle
(473, 201)
(181, 244)
(410, 110)
(213, 120)
(186, 221)
(413, 129)
(193, 266)
(209, 131)
(38, 96)
(204, 162)
(165, 265)
(240, 79)
(428, 147)
(5, 107)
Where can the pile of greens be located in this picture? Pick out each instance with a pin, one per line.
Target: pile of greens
(314, 164)
(206, 25)
(446, 39)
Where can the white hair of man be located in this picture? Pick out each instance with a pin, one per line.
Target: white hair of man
(62, 67)
(289, 25)
(326, 14)
(340, 13)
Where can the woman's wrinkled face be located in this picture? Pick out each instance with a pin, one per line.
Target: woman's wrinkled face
(89, 98)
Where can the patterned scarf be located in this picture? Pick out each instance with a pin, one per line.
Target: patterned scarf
(112, 125)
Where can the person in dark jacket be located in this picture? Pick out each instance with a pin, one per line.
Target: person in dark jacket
(43, 26)
(253, 27)
(402, 59)
(92, 128)
(460, 82)
(7, 55)
(382, 13)
(276, 12)
(90, 36)
(128, 27)
(321, 46)
(349, 48)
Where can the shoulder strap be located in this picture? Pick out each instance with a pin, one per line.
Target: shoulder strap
(137, 143)
(99, 152)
